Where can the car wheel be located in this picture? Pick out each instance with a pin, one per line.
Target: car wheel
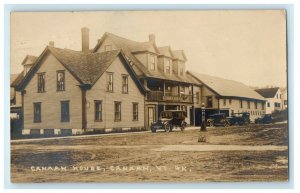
(167, 127)
(226, 124)
(210, 123)
(153, 130)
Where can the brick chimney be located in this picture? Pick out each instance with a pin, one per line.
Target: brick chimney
(151, 37)
(85, 39)
(51, 43)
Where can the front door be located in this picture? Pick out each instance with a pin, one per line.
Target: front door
(151, 115)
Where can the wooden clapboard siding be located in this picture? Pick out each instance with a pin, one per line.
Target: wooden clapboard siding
(197, 89)
(51, 98)
(205, 92)
(98, 92)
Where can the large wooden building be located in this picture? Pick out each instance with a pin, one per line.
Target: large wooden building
(162, 71)
(227, 96)
(119, 84)
(69, 92)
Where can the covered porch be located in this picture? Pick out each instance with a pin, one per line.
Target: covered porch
(168, 91)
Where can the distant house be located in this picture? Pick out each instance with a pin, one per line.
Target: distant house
(69, 92)
(274, 98)
(228, 96)
(284, 98)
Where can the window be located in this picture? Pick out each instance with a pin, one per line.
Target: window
(255, 104)
(152, 62)
(168, 89)
(248, 104)
(224, 102)
(277, 104)
(241, 104)
(262, 105)
(109, 82)
(107, 48)
(209, 101)
(181, 70)
(268, 104)
(168, 68)
(285, 102)
(60, 80)
(37, 114)
(117, 111)
(135, 111)
(197, 97)
(182, 89)
(124, 83)
(64, 111)
(41, 82)
(230, 101)
(98, 110)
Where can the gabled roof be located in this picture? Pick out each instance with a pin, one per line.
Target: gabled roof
(15, 81)
(130, 44)
(127, 46)
(179, 54)
(29, 59)
(226, 88)
(87, 68)
(267, 92)
(165, 51)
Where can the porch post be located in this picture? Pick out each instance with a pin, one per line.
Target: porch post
(192, 94)
(164, 90)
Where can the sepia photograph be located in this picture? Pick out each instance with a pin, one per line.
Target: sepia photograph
(149, 96)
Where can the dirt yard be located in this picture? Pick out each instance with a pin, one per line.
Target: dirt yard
(256, 153)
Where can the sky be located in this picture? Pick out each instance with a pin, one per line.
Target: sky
(246, 46)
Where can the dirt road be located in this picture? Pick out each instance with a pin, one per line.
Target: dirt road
(255, 153)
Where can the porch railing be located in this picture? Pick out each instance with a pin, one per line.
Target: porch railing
(168, 97)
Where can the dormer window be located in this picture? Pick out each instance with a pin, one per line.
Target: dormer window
(152, 62)
(26, 68)
(168, 70)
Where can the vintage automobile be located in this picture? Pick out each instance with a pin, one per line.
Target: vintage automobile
(239, 119)
(168, 120)
(218, 119)
(265, 119)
